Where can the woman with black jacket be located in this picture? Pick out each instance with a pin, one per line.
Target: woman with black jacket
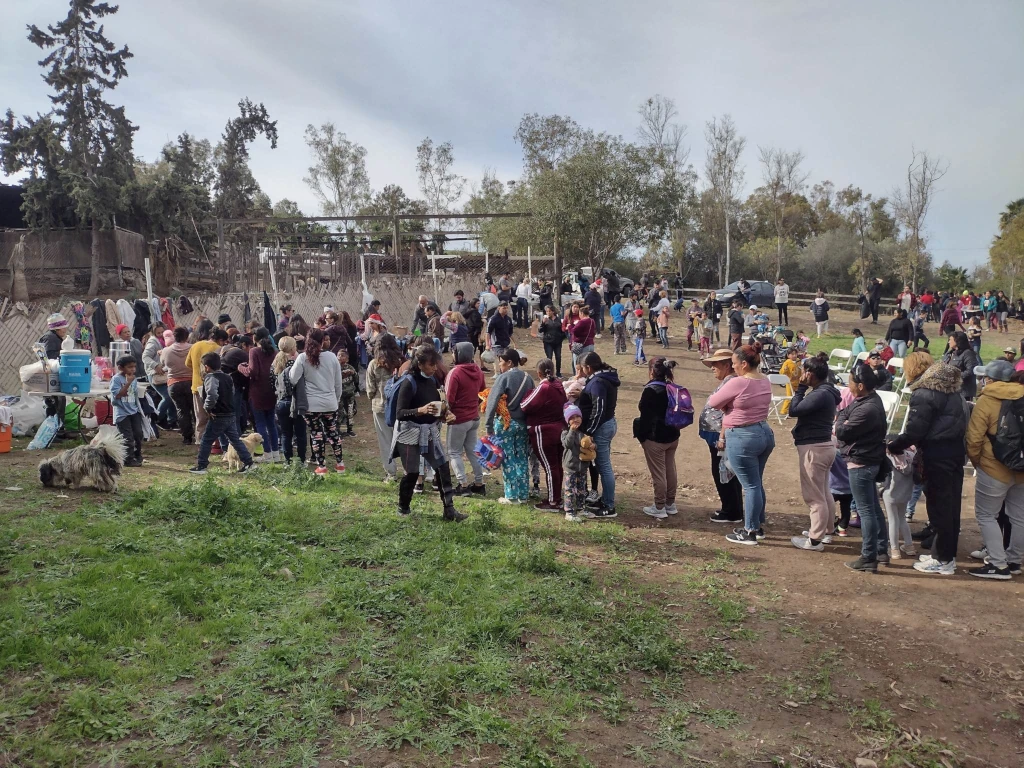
(658, 439)
(900, 333)
(553, 336)
(861, 428)
(937, 424)
(960, 355)
(475, 325)
(814, 406)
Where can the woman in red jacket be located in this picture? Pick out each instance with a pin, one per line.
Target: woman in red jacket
(544, 424)
(462, 387)
(581, 341)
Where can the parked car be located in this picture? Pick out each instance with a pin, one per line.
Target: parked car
(762, 294)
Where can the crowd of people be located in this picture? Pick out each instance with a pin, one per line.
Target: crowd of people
(431, 402)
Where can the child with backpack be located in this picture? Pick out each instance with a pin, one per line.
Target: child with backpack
(349, 390)
(576, 459)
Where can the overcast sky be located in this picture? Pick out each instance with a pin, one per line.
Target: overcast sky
(853, 85)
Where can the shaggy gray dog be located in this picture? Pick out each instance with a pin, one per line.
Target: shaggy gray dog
(99, 462)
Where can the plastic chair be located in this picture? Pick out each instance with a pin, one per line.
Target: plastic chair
(845, 357)
(862, 356)
(900, 376)
(906, 414)
(778, 380)
(891, 401)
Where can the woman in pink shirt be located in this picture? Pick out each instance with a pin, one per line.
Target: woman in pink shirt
(749, 441)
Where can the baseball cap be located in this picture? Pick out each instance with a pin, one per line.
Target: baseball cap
(1010, 349)
(753, 306)
(874, 353)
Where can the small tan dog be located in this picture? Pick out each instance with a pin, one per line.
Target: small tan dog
(251, 441)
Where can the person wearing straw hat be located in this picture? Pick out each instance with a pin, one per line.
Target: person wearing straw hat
(56, 331)
(710, 425)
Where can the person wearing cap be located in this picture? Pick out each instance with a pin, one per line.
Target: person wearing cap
(1010, 355)
(730, 493)
(996, 484)
(876, 361)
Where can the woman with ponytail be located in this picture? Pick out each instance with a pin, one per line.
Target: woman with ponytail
(544, 425)
(321, 372)
(658, 439)
(262, 392)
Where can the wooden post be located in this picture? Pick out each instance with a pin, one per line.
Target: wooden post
(396, 244)
(222, 259)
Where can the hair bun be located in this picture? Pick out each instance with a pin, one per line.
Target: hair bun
(756, 346)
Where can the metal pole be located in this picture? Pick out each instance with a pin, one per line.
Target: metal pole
(433, 272)
(149, 280)
(529, 263)
(487, 262)
(222, 259)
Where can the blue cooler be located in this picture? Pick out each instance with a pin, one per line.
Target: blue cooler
(75, 371)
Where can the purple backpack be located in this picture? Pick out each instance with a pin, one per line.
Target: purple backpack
(679, 413)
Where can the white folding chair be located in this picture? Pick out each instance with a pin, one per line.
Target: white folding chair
(891, 401)
(843, 377)
(905, 392)
(778, 380)
(900, 376)
(845, 358)
(862, 356)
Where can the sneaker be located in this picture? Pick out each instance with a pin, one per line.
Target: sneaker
(247, 468)
(979, 554)
(908, 515)
(721, 517)
(841, 532)
(806, 542)
(535, 492)
(865, 566)
(670, 509)
(895, 554)
(655, 512)
(907, 550)
(389, 479)
(597, 335)
(855, 520)
(197, 471)
(454, 516)
(505, 500)
(742, 536)
(478, 488)
(132, 463)
(826, 539)
(321, 471)
(461, 490)
(935, 567)
(418, 488)
(1014, 568)
(883, 557)
(436, 483)
(573, 518)
(404, 511)
(761, 535)
(547, 506)
(989, 571)
(593, 498)
(604, 513)
(340, 467)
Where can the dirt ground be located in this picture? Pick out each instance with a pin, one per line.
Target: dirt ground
(945, 654)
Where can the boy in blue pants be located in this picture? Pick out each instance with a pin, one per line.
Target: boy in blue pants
(219, 402)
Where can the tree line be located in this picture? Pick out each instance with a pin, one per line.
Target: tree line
(599, 199)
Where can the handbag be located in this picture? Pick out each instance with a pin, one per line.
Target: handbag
(575, 347)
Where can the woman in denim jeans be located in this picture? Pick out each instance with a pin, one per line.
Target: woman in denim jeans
(597, 403)
(748, 440)
(861, 428)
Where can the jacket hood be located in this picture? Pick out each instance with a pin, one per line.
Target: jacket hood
(464, 352)
(609, 377)
(942, 377)
(1003, 390)
(819, 300)
(828, 387)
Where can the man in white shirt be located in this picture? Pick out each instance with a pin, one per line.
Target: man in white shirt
(522, 308)
(782, 301)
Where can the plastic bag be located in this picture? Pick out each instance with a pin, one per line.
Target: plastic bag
(28, 412)
(45, 434)
(725, 473)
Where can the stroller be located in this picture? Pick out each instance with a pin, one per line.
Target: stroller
(774, 344)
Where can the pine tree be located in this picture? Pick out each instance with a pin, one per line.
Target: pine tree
(82, 150)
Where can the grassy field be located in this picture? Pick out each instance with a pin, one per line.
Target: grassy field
(991, 347)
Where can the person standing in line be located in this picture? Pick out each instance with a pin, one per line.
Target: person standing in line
(819, 308)
(656, 302)
(499, 331)
(597, 402)
(730, 493)
(737, 319)
(748, 440)
(936, 426)
(218, 402)
(417, 437)
(593, 301)
(385, 364)
(814, 406)
(640, 333)
(583, 334)
(124, 399)
(713, 309)
(291, 402)
(782, 301)
(510, 386)
(462, 388)
(179, 383)
(207, 339)
(320, 370)
(618, 315)
(574, 466)
(996, 486)
(553, 336)
(860, 429)
(658, 439)
(262, 392)
(524, 291)
(543, 409)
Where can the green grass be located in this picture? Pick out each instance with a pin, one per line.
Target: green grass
(991, 347)
(204, 623)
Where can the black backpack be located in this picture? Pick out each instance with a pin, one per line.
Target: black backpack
(1008, 441)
